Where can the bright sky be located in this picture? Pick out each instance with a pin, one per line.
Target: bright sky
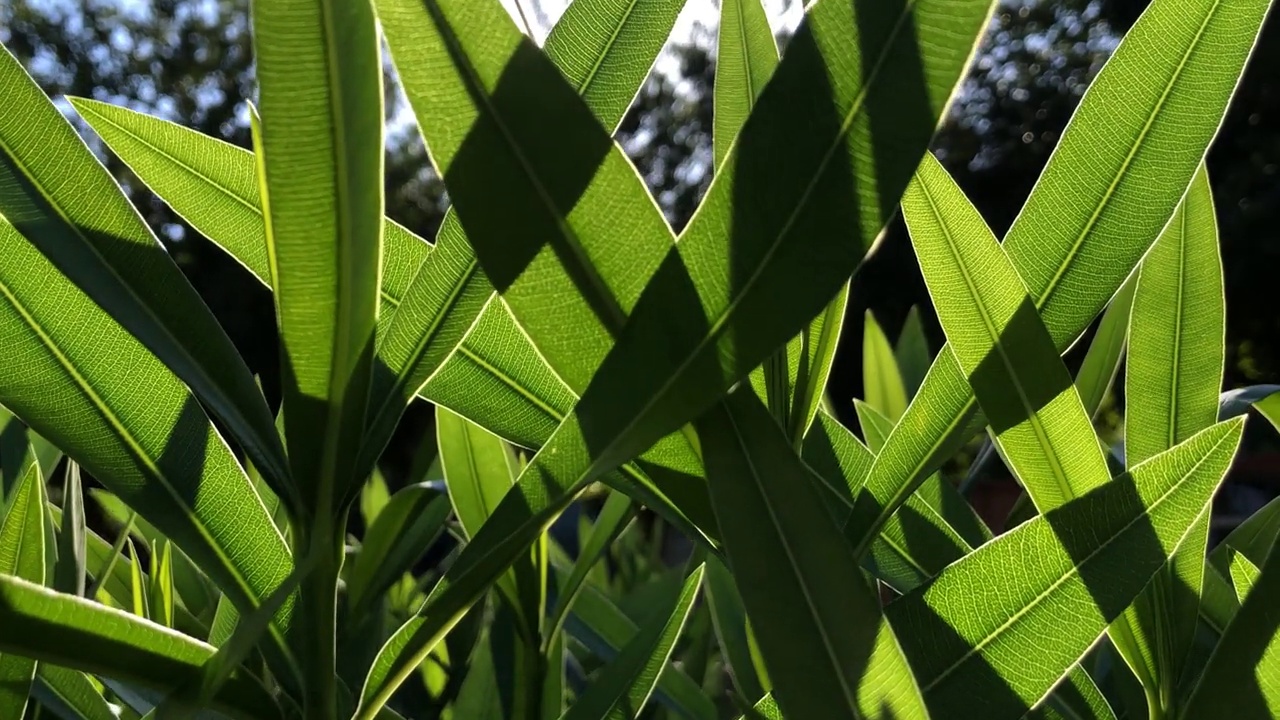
(783, 14)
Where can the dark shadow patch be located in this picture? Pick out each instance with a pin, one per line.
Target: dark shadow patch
(1025, 343)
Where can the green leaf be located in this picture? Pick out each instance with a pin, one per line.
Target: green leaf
(1102, 360)
(730, 620)
(96, 392)
(160, 587)
(936, 494)
(638, 397)
(614, 518)
(22, 556)
(1077, 698)
(74, 633)
(992, 634)
(624, 685)
(1174, 371)
(70, 694)
(403, 532)
(18, 447)
(105, 249)
(1240, 680)
(231, 654)
(213, 185)
(478, 468)
(740, 253)
(1116, 175)
(439, 307)
(1173, 377)
(827, 647)
(69, 573)
(516, 186)
(999, 342)
(497, 380)
(605, 629)
(605, 48)
(912, 352)
(137, 586)
(320, 154)
(1252, 538)
(881, 382)
(746, 56)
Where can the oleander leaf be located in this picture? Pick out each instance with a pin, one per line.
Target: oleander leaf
(827, 648)
(402, 533)
(881, 382)
(1102, 360)
(730, 621)
(992, 634)
(213, 185)
(319, 147)
(74, 633)
(999, 342)
(82, 223)
(1242, 677)
(70, 694)
(605, 629)
(605, 48)
(623, 687)
(746, 56)
(22, 556)
(93, 390)
(1116, 175)
(912, 352)
(614, 518)
(1173, 377)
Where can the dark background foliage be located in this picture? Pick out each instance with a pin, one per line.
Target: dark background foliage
(190, 61)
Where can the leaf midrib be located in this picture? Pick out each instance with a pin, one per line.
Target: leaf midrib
(1026, 609)
(608, 46)
(1053, 284)
(1033, 416)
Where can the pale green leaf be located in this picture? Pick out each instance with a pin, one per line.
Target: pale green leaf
(22, 556)
(881, 382)
(993, 633)
(614, 518)
(70, 694)
(320, 156)
(999, 342)
(74, 633)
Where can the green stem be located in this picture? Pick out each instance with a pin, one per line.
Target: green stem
(318, 632)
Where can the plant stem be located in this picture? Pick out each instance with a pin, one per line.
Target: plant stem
(317, 636)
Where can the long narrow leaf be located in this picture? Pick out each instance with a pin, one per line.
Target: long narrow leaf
(992, 634)
(1111, 185)
(1174, 375)
(22, 555)
(75, 633)
(624, 686)
(828, 650)
(104, 248)
(321, 159)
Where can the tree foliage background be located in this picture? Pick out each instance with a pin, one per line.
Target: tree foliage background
(191, 61)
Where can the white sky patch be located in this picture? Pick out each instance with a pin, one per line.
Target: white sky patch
(697, 22)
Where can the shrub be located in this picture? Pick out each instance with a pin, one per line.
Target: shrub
(574, 347)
